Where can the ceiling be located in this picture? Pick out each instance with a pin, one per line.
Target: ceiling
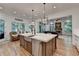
(24, 10)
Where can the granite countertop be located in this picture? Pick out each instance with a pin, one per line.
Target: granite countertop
(27, 34)
(76, 32)
(14, 34)
(40, 36)
(43, 37)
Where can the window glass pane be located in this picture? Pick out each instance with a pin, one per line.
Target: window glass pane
(14, 26)
(1, 29)
(18, 27)
(28, 28)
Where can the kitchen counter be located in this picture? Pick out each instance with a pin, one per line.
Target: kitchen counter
(43, 37)
(76, 39)
(26, 34)
(76, 32)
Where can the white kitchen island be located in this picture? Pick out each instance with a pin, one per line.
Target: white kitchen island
(42, 44)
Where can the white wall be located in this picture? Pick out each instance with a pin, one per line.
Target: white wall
(75, 18)
(8, 19)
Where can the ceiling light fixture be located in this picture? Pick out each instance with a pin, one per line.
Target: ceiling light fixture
(54, 6)
(33, 24)
(14, 12)
(1, 8)
(32, 15)
(44, 19)
(24, 15)
(36, 15)
(44, 10)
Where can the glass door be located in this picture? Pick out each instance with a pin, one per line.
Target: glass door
(1, 29)
(68, 26)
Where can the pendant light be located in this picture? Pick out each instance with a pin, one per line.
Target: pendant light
(44, 10)
(54, 5)
(32, 17)
(33, 24)
(44, 19)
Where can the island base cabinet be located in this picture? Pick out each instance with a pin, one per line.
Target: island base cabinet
(22, 41)
(38, 48)
(48, 48)
(29, 47)
(26, 44)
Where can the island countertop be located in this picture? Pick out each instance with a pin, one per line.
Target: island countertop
(27, 34)
(76, 32)
(43, 37)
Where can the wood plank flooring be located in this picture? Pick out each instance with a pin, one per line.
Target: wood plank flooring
(62, 50)
(14, 49)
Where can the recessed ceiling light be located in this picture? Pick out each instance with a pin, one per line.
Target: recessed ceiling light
(14, 12)
(38, 12)
(43, 11)
(29, 17)
(54, 6)
(1, 8)
(24, 15)
(35, 15)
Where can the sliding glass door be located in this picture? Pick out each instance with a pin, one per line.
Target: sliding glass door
(67, 25)
(1, 29)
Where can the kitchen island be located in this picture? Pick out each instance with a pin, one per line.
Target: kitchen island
(40, 44)
(25, 41)
(76, 39)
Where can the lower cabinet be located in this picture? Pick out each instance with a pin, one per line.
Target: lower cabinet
(29, 46)
(48, 48)
(26, 44)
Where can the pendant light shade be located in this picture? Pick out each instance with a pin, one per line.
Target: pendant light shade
(44, 13)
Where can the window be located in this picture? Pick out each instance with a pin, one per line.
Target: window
(18, 27)
(1, 29)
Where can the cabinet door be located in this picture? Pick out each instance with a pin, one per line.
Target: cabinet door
(22, 43)
(29, 44)
(25, 45)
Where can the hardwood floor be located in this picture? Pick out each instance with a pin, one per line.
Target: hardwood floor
(14, 49)
(63, 50)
